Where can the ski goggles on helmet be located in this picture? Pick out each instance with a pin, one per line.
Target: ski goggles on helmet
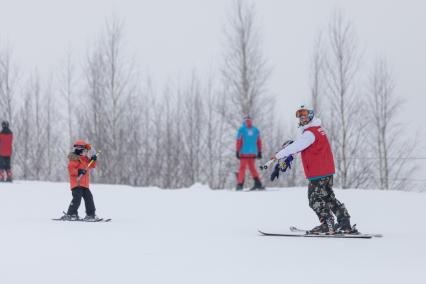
(82, 146)
(305, 113)
(302, 113)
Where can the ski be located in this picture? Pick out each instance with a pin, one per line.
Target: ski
(100, 220)
(305, 235)
(295, 229)
(82, 220)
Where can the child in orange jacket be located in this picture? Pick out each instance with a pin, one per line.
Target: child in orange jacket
(79, 166)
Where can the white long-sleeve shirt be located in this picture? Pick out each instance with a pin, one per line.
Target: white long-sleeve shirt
(304, 141)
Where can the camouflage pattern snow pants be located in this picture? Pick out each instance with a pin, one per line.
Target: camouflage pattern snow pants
(323, 201)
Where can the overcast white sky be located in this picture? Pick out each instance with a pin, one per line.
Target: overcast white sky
(171, 37)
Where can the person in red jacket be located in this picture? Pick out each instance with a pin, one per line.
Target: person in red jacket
(6, 139)
(79, 166)
(318, 164)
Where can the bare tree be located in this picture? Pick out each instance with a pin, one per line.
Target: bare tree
(24, 133)
(345, 121)
(8, 78)
(216, 138)
(394, 169)
(67, 89)
(316, 76)
(245, 72)
(110, 83)
(52, 140)
(193, 122)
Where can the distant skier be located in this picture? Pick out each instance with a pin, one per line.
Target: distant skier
(317, 159)
(79, 166)
(249, 147)
(6, 139)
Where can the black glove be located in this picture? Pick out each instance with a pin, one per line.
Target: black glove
(237, 154)
(259, 155)
(276, 173)
(94, 158)
(81, 172)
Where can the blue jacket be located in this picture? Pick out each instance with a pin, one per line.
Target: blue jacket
(248, 141)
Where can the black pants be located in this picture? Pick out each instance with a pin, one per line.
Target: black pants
(78, 193)
(323, 201)
(4, 163)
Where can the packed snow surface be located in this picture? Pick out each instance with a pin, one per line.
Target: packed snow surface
(200, 236)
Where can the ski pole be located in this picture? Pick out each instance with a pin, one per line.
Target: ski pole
(87, 167)
(273, 159)
(267, 164)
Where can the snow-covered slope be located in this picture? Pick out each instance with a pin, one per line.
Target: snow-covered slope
(202, 236)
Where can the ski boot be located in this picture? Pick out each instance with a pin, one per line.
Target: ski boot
(346, 228)
(8, 176)
(70, 217)
(91, 218)
(325, 228)
(257, 185)
(239, 187)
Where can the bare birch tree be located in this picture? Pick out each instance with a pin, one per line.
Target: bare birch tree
(193, 122)
(24, 133)
(245, 71)
(344, 121)
(8, 78)
(316, 75)
(109, 84)
(67, 90)
(393, 169)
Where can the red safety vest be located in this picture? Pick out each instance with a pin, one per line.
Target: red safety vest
(317, 159)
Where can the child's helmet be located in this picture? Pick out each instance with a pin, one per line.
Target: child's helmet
(80, 146)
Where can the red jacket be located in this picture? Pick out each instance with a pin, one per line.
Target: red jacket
(76, 163)
(317, 159)
(6, 144)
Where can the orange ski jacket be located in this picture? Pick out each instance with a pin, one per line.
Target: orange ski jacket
(76, 163)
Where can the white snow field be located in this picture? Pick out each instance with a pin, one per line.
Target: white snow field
(201, 236)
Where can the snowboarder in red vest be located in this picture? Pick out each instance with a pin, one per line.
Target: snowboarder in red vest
(79, 166)
(248, 148)
(6, 139)
(318, 164)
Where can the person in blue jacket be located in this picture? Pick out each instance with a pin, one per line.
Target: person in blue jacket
(248, 148)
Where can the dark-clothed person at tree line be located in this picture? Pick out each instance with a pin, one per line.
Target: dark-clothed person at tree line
(6, 140)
